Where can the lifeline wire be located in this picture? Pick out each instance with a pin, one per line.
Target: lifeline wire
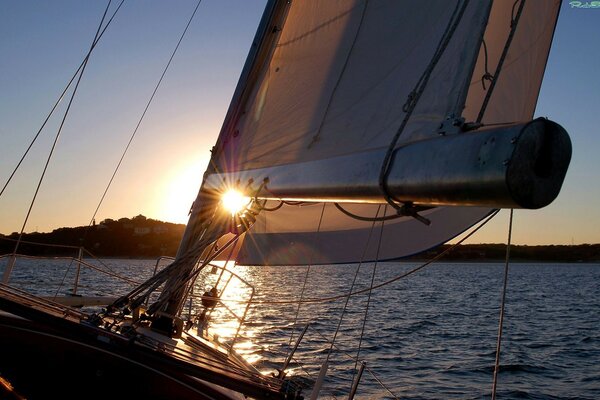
(500, 323)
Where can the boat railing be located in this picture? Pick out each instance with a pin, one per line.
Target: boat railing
(158, 261)
(80, 262)
(223, 283)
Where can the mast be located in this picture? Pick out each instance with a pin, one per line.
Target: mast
(206, 202)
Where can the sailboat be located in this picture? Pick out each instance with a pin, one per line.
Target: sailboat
(415, 117)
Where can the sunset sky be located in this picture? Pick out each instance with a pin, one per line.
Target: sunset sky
(43, 42)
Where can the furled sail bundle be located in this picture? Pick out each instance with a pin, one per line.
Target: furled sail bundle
(424, 105)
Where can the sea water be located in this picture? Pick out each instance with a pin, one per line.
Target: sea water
(430, 335)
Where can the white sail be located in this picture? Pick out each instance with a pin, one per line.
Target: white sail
(339, 75)
(516, 92)
(334, 84)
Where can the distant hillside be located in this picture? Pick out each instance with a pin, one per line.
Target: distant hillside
(497, 252)
(135, 237)
(141, 237)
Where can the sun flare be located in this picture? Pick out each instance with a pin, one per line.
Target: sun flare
(234, 201)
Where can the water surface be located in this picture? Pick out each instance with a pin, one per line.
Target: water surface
(431, 335)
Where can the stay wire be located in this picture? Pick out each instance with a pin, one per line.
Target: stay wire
(502, 304)
(143, 114)
(58, 101)
(60, 130)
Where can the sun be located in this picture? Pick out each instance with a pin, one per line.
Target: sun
(234, 201)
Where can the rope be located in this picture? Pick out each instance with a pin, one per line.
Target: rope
(513, 27)
(486, 73)
(367, 219)
(354, 281)
(59, 131)
(306, 277)
(143, 115)
(58, 101)
(362, 331)
(411, 103)
(503, 302)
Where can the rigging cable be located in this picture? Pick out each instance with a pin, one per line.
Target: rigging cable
(66, 113)
(306, 276)
(143, 114)
(503, 302)
(409, 107)
(59, 100)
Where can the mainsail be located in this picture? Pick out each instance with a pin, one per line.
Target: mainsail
(331, 82)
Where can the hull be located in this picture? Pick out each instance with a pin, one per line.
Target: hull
(41, 362)
(52, 351)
